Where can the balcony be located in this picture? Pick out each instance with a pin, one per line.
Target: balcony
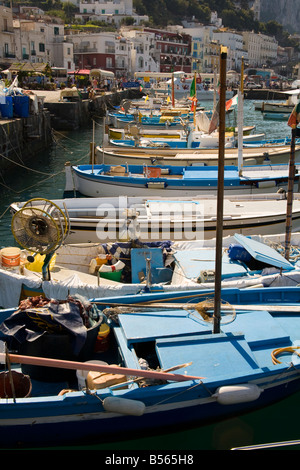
(25, 56)
(9, 55)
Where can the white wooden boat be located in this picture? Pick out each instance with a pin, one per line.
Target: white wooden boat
(133, 266)
(276, 106)
(165, 156)
(102, 220)
(174, 181)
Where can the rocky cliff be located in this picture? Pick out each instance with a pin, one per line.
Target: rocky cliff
(285, 12)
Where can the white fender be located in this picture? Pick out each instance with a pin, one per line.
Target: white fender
(233, 394)
(124, 406)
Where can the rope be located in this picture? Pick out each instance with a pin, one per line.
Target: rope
(278, 351)
(23, 166)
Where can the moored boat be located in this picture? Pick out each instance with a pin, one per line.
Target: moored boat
(174, 181)
(171, 373)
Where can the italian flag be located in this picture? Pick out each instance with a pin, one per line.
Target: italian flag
(232, 102)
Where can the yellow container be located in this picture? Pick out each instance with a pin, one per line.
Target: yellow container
(10, 257)
(102, 341)
(38, 262)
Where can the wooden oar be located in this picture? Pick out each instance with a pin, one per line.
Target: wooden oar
(61, 364)
(166, 306)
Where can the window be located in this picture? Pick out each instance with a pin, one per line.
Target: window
(41, 47)
(108, 62)
(69, 51)
(102, 12)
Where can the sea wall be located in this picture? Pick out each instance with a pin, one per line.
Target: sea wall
(21, 138)
(72, 114)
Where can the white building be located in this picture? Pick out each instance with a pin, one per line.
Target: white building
(262, 49)
(235, 49)
(113, 11)
(205, 50)
(7, 36)
(38, 41)
(142, 43)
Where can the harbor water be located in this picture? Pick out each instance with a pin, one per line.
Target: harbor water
(43, 177)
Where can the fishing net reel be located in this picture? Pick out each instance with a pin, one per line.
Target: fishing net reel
(40, 226)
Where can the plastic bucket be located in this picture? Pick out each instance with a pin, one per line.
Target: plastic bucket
(6, 109)
(102, 341)
(82, 374)
(21, 385)
(21, 105)
(112, 276)
(10, 257)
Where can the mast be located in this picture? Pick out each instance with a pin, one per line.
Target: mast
(241, 119)
(289, 206)
(220, 193)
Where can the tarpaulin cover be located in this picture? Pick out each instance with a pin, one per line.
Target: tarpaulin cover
(30, 321)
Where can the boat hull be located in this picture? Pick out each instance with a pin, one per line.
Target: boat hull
(48, 426)
(185, 157)
(96, 182)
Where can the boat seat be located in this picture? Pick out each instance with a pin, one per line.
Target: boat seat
(161, 324)
(270, 331)
(213, 356)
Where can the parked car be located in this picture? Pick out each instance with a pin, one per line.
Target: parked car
(253, 85)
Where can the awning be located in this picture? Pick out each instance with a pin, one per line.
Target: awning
(80, 72)
(100, 73)
(29, 67)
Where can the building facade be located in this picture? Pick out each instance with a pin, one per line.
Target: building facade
(172, 50)
(7, 35)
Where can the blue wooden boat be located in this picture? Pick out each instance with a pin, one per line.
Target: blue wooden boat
(276, 116)
(174, 181)
(192, 372)
(270, 142)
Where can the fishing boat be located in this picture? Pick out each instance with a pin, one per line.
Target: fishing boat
(130, 267)
(170, 373)
(285, 107)
(275, 116)
(179, 84)
(153, 133)
(173, 181)
(165, 156)
(182, 140)
(101, 220)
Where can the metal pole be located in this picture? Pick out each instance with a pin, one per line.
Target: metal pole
(289, 208)
(220, 194)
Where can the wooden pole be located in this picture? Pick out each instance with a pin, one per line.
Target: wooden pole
(241, 120)
(220, 193)
(61, 364)
(173, 92)
(195, 101)
(289, 208)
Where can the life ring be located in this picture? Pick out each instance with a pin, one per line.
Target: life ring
(109, 268)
